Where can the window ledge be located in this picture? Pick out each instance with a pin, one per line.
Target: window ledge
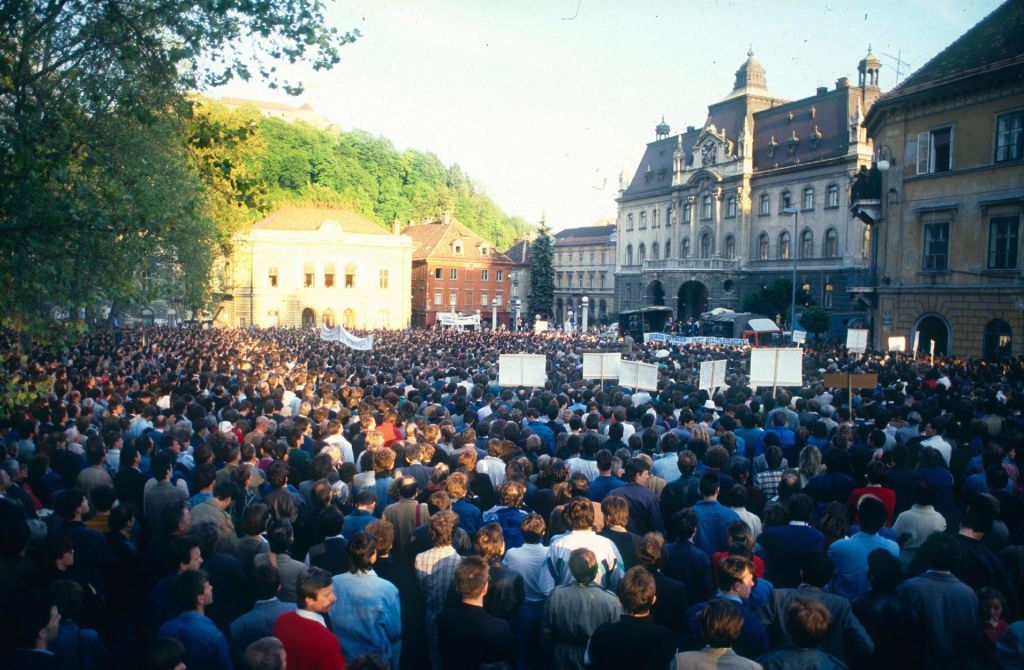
(933, 273)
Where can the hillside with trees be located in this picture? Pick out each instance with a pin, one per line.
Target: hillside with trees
(297, 163)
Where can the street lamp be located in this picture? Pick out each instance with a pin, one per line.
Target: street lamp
(795, 213)
(519, 306)
(586, 302)
(494, 313)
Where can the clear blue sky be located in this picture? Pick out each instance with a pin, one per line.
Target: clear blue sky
(543, 103)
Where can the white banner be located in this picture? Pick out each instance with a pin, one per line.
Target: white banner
(776, 367)
(712, 374)
(857, 340)
(636, 375)
(522, 370)
(448, 319)
(339, 334)
(715, 341)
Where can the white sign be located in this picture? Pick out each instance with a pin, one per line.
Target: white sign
(449, 319)
(898, 343)
(799, 336)
(917, 341)
(339, 334)
(601, 366)
(857, 340)
(522, 370)
(776, 367)
(540, 327)
(712, 374)
(636, 375)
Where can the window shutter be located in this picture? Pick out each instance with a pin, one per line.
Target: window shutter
(923, 152)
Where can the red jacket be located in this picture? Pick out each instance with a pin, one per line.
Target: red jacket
(308, 644)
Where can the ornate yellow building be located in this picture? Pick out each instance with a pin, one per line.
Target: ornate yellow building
(307, 266)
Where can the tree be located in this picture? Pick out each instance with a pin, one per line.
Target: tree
(774, 300)
(815, 320)
(542, 274)
(104, 176)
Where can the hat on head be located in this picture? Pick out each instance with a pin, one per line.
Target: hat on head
(225, 427)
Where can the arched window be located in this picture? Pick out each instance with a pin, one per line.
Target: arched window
(668, 249)
(730, 246)
(349, 319)
(350, 275)
(655, 218)
(765, 207)
(641, 254)
(330, 319)
(705, 246)
(807, 244)
(705, 208)
(643, 219)
(654, 251)
(831, 243)
(629, 221)
(629, 254)
(684, 252)
(762, 247)
(687, 212)
(308, 279)
(329, 276)
(784, 248)
(997, 341)
(730, 207)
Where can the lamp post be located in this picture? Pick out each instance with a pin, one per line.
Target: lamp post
(586, 304)
(519, 306)
(494, 313)
(795, 213)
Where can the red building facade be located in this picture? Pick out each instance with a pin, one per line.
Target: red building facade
(456, 270)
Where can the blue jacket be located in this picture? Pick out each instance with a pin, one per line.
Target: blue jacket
(256, 623)
(753, 639)
(366, 616)
(205, 646)
(713, 519)
(783, 548)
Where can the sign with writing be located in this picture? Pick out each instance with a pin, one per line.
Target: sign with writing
(799, 336)
(601, 366)
(898, 343)
(522, 370)
(675, 339)
(857, 340)
(776, 366)
(636, 375)
(540, 327)
(712, 374)
(449, 319)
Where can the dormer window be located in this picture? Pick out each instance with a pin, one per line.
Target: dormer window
(484, 250)
(457, 247)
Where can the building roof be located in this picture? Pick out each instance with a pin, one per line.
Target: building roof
(807, 130)
(436, 242)
(994, 42)
(586, 231)
(520, 252)
(312, 218)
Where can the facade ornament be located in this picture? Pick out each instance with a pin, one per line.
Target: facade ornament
(793, 142)
(772, 146)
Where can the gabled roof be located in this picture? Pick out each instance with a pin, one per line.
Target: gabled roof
(520, 252)
(994, 42)
(312, 218)
(586, 231)
(435, 241)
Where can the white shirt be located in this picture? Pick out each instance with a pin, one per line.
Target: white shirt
(312, 616)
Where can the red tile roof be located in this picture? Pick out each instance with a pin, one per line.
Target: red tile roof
(435, 241)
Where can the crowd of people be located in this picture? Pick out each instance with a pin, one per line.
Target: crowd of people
(262, 499)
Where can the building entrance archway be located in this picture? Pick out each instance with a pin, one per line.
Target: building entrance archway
(692, 300)
(933, 328)
(997, 341)
(308, 318)
(655, 294)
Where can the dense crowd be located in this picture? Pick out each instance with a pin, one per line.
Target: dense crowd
(261, 498)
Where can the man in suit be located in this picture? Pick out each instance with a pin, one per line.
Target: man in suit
(467, 636)
(129, 482)
(785, 546)
(332, 553)
(686, 562)
(259, 621)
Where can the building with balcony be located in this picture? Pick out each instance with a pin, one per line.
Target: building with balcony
(584, 265)
(949, 197)
(307, 266)
(718, 211)
(456, 270)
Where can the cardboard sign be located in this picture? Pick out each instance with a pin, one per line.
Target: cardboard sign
(522, 370)
(636, 375)
(712, 374)
(799, 336)
(898, 343)
(857, 340)
(851, 381)
(776, 366)
(540, 327)
(601, 366)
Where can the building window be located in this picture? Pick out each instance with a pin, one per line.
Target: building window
(1003, 238)
(670, 216)
(1010, 136)
(730, 207)
(499, 275)
(643, 220)
(785, 201)
(484, 250)
(730, 246)
(438, 273)
(936, 247)
(762, 247)
(831, 243)
(329, 275)
(601, 279)
(453, 298)
(935, 151)
(437, 297)
(784, 250)
(997, 341)
(807, 244)
(809, 197)
(655, 218)
(272, 276)
(308, 275)
(467, 275)
(826, 296)
(833, 196)
(687, 213)
(654, 251)
(454, 274)
(629, 221)
(591, 257)
(349, 317)
(485, 275)
(485, 298)
(350, 276)
(383, 278)
(641, 254)
(765, 208)
(329, 318)
(500, 297)
(457, 247)
(629, 254)
(604, 257)
(685, 250)
(668, 249)
(705, 208)
(705, 245)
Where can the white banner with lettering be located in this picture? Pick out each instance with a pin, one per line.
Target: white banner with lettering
(449, 319)
(339, 334)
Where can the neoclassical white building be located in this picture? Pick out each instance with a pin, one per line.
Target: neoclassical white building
(307, 266)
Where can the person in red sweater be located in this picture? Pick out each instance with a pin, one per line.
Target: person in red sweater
(876, 474)
(308, 642)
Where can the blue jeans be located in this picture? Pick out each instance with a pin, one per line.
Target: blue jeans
(526, 629)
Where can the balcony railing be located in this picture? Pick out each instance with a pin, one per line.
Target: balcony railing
(693, 264)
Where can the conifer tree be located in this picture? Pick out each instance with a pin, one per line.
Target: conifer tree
(542, 274)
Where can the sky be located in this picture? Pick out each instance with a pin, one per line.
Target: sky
(545, 102)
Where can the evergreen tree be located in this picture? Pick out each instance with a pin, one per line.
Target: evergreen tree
(542, 274)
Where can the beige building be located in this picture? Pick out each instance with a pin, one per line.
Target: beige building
(949, 199)
(307, 266)
(584, 265)
(278, 110)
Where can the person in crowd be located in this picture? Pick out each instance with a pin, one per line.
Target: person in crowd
(468, 637)
(308, 642)
(721, 624)
(259, 621)
(734, 577)
(205, 646)
(808, 622)
(634, 641)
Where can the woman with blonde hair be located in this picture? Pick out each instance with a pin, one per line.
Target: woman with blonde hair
(810, 464)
